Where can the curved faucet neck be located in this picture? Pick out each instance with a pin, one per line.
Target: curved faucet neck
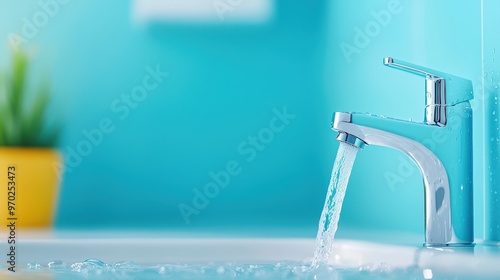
(438, 221)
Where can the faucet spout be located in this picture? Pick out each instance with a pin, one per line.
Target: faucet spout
(440, 230)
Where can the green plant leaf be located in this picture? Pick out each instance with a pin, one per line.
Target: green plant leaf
(23, 124)
(3, 96)
(18, 80)
(32, 122)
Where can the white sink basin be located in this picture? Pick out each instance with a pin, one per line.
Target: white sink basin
(349, 255)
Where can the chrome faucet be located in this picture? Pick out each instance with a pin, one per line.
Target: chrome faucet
(441, 146)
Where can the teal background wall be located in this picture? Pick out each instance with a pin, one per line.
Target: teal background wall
(224, 82)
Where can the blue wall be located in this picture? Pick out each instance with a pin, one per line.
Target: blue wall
(225, 84)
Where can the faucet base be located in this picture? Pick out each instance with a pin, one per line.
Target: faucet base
(450, 245)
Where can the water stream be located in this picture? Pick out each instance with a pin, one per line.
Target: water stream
(333, 203)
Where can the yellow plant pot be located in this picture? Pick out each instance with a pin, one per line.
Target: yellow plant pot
(32, 174)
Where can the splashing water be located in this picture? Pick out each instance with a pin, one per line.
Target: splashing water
(333, 203)
(94, 269)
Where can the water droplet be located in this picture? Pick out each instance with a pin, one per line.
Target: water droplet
(94, 266)
(427, 273)
(493, 112)
(95, 262)
(77, 266)
(125, 265)
(33, 266)
(57, 264)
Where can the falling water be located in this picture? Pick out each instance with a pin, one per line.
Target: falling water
(333, 203)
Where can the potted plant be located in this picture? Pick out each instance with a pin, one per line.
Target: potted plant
(28, 177)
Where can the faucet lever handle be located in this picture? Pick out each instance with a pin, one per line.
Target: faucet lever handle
(411, 68)
(441, 89)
